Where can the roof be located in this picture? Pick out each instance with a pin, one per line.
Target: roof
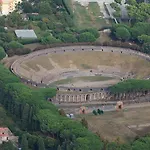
(4, 135)
(25, 34)
(2, 129)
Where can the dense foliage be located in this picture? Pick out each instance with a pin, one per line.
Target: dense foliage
(139, 33)
(130, 86)
(34, 113)
(2, 53)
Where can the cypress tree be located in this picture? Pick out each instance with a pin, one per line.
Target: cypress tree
(59, 147)
(24, 143)
(25, 115)
(40, 144)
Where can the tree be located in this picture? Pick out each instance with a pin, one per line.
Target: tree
(49, 40)
(7, 146)
(14, 45)
(15, 19)
(146, 48)
(94, 112)
(25, 115)
(117, 14)
(99, 111)
(2, 53)
(122, 33)
(67, 38)
(27, 7)
(92, 31)
(144, 38)
(62, 112)
(40, 144)
(118, 1)
(86, 37)
(139, 12)
(84, 122)
(44, 7)
(115, 6)
(2, 21)
(24, 143)
(59, 147)
(131, 2)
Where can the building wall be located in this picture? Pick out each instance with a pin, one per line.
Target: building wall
(8, 6)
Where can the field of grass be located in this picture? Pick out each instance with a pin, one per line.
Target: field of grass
(84, 78)
(87, 17)
(113, 125)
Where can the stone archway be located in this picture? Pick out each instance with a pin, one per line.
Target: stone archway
(87, 97)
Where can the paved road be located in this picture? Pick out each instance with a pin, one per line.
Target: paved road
(15, 65)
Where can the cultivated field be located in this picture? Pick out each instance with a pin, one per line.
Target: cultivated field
(124, 125)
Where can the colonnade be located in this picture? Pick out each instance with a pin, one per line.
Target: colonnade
(97, 96)
(76, 98)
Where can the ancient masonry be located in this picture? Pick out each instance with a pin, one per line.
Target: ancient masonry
(79, 96)
(99, 97)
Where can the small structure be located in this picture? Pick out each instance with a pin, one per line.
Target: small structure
(25, 34)
(70, 116)
(83, 110)
(119, 105)
(6, 135)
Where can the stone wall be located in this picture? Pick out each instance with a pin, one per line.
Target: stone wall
(98, 96)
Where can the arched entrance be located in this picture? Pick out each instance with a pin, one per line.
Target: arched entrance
(87, 97)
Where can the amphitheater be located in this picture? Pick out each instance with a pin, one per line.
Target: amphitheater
(82, 74)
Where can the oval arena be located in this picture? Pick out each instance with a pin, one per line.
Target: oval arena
(83, 73)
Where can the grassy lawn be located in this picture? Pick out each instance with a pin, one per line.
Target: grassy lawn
(113, 125)
(90, 16)
(84, 78)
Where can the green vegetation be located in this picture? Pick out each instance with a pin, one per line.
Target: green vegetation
(122, 33)
(2, 53)
(32, 112)
(90, 16)
(139, 32)
(7, 146)
(131, 86)
(37, 15)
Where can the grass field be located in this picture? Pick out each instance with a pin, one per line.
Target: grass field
(113, 125)
(86, 79)
(90, 16)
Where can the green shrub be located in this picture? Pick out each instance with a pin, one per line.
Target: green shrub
(2, 53)
(14, 45)
(94, 112)
(86, 37)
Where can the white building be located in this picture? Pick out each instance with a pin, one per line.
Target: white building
(7, 6)
(6, 135)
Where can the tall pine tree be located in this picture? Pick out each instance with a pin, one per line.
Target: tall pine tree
(40, 144)
(24, 143)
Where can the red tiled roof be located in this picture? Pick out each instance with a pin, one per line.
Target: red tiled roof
(2, 135)
(3, 129)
